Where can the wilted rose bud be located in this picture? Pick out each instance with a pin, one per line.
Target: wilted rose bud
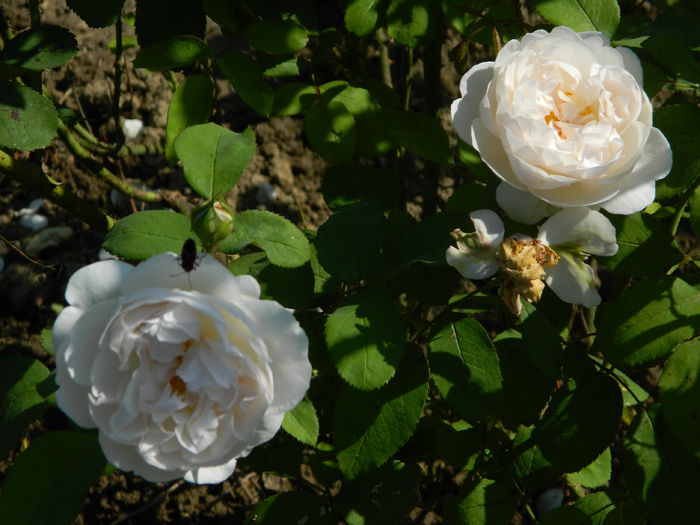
(212, 222)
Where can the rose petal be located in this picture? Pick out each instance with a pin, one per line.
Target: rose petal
(97, 282)
(638, 191)
(488, 227)
(573, 281)
(209, 475)
(588, 230)
(470, 267)
(522, 206)
(472, 86)
(125, 457)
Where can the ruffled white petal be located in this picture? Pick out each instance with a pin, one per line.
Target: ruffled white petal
(209, 475)
(573, 281)
(97, 282)
(488, 227)
(472, 86)
(587, 230)
(522, 206)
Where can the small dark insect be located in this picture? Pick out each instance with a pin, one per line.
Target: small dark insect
(188, 255)
(188, 259)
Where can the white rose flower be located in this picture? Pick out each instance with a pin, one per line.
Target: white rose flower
(182, 373)
(563, 116)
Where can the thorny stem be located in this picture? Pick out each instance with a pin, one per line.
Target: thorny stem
(384, 60)
(96, 147)
(116, 182)
(31, 176)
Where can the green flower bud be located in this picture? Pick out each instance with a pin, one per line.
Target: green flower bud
(212, 222)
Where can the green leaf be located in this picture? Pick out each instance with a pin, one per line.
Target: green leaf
(647, 321)
(145, 233)
(21, 402)
(357, 100)
(581, 421)
(420, 134)
(369, 427)
(413, 22)
(331, 131)
(214, 157)
(641, 459)
(581, 15)
(183, 17)
(680, 394)
(47, 482)
(283, 243)
(47, 341)
(483, 501)
(191, 104)
(362, 16)
(590, 510)
(366, 340)
(246, 77)
(677, 124)
(302, 423)
(291, 287)
(547, 353)
(38, 48)
(695, 213)
(464, 366)
(290, 507)
(293, 98)
(530, 467)
(526, 389)
(175, 53)
(349, 242)
(596, 474)
(277, 37)
(381, 496)
(645, 246)
(97, 14)
(28, 121)
(427, 240)
(278, 66)
(348, 184)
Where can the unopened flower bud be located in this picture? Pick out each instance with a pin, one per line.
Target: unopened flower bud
(212, 222)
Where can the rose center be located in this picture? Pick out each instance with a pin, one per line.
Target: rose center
(569, 110)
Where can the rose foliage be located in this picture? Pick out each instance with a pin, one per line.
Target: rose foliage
(485, 312)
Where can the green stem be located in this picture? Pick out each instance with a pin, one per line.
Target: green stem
(685, 199)
(33, 178)
(408, 78)
(117, 83)
(384, 61)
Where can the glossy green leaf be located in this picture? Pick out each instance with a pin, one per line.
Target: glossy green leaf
(362, 16)
(581, 15)
(184, 17)
(293, 98)
(589, 510)
(142, 234)
(278, 66)
(530, 467)
(291, 287)
(97, 14)
(283, 243)
(277, 37)
(349, 242)
(695, 213)
(641, 459)
(427, 240)
(22, 399)
(28, 121)
(464, 366)
(47, 482)
(596, 474)
(331, 131)
(357, 100)
(381, 496)
(677, 123)
(302, 423)
(290, 507)
(38, 48)
(351, 183)
(214, 157)
(647, 321)
(680, 394)
(177, 52)
(645, 246)
(483, 501)
(420, 134)
(246, 77)
(413, 22)
(581, 421)
(547, 353)
(191, 104)
(526, 389)
(223, 12)
(366, 340)
(369, 427)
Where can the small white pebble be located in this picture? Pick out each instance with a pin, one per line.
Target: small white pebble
(265, 193)
(31, 209)
(34, 221)
(549, 500)
(132, 127)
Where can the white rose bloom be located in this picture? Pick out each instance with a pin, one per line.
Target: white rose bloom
(563, 116)
(181, 373)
